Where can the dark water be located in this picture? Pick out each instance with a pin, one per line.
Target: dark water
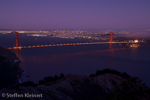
(79, 60)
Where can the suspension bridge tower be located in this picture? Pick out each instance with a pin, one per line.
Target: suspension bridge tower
(111, 40)
(17, 44)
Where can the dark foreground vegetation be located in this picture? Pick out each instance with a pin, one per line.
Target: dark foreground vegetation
(111, 71)
(131, 89)
(107, 84)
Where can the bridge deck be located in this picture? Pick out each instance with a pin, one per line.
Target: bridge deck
(66, 44)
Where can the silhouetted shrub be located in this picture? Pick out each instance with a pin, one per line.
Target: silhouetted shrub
(51, 79)
(125, 75)
(131, 89)
(111, 71)
(56, 77)
(92, 75)
(46, 79)
(62, 75)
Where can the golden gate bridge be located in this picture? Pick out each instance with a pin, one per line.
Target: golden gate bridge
(17, 48)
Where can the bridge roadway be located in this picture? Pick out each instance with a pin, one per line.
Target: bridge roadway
(65, 44)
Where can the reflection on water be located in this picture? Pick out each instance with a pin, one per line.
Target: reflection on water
(58, 58)
(131, 61)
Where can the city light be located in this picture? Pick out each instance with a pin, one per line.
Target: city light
(136, 41)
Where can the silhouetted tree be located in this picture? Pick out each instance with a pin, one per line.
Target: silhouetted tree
(62, 75)
(56, 77)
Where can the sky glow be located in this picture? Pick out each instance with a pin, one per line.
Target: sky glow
(75, 14)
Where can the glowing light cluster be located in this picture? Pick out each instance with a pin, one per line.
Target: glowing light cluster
(136, 41)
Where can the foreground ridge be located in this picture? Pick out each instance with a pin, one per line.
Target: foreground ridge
(106, 86)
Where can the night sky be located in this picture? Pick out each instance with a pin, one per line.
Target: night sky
(75, 14)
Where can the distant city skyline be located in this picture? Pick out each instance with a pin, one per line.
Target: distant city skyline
(77, 14)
